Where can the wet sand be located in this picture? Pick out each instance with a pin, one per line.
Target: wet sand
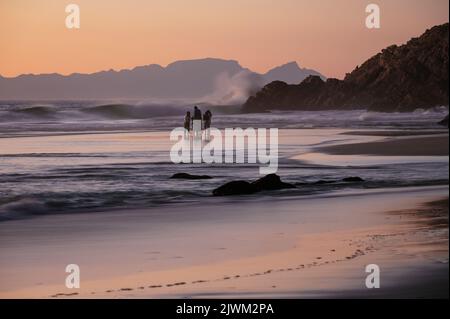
(308, 248)
(375, 132)
(435, 145)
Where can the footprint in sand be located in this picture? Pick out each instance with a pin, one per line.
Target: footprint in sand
(182, 283)
(176, 284)
(153, 252)
(357, 253)
(65, 295)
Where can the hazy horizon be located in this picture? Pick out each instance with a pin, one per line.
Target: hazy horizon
(260, 35)
(164, 66)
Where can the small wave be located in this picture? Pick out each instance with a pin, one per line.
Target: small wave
(42, 111)
(126, 111)
(98, 199)
(82, 111)
(54, 155)
(22, 208)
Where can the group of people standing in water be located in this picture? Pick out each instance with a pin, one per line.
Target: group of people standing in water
(197, 123)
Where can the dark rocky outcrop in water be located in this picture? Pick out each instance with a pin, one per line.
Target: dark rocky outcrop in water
(189, 176)
(444, 122)
(399, 78)
(235, 188)
(268, 182)
(271, 182)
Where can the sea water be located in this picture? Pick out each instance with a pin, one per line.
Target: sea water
(71, 157)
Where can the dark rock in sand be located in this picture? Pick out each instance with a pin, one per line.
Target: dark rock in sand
(268, 182)
(271, 182)
(353, 179)
(189, 176)
(235, 188)
(444, 122)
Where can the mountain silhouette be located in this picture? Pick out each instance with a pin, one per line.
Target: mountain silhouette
(290, 73)
(181, 79)
(399, 78)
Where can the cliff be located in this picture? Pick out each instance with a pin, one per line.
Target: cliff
(399, 78)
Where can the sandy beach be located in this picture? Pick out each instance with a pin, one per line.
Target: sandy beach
(434, 145)
(294, 248)
(310, 242)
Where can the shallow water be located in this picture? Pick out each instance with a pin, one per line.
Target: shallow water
(63, 157)
(76, 173)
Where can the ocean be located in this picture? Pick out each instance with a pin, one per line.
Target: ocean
(67, 157)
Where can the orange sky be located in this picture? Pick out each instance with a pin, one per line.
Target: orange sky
(327, 35)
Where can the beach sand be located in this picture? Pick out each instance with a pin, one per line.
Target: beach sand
(316, 247)
(313, 246)
(434, 145)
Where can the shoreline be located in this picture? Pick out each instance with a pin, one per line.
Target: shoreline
(397, 133)
(259, 254)
(434, 145)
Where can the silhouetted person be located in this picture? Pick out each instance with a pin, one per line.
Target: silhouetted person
(197, 113)
(207, 119)
(187, 122)
(207, 123)
(197, 122)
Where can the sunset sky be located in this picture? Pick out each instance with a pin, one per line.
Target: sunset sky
(327, 35)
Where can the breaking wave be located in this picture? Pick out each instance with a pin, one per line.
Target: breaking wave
(59, 111)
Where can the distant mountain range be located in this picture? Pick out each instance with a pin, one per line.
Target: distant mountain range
(290, 73)
(399, 78)
(224, 81)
